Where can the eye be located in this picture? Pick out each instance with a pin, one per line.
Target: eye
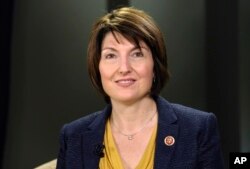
(137, 54)
(110, 56)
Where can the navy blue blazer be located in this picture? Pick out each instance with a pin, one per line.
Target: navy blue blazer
(196, 146)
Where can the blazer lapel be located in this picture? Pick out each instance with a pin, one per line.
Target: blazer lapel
(92, 140)
(167, 126)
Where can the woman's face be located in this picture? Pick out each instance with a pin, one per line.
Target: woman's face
(126, 70)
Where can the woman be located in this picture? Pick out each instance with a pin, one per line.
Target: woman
(127, 64)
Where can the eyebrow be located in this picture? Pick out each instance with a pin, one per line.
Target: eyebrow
(134, 48)
(109, 48)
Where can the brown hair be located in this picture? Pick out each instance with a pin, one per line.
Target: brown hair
(135, 25)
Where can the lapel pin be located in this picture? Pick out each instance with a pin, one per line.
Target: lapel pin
(169, 140)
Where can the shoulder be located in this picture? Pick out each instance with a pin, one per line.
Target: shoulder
(189, 113)
(80, 125)
(194, 120)
(185, 116)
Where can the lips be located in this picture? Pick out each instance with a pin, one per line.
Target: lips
(125, 82)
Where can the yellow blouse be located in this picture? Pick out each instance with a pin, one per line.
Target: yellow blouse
(112, 160)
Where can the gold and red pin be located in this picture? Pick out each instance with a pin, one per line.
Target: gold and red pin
(169, 140)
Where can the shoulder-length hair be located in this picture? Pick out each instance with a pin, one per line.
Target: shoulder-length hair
(136, 26)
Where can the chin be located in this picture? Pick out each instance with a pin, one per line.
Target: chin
(125, 99)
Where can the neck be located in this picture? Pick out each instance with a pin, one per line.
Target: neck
(130, 118)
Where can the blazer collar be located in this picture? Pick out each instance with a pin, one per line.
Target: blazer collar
(167, 126)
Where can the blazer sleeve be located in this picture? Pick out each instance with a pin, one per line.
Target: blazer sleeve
(210, 155)
(61, 155)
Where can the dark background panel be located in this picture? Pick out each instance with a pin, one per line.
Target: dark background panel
(49, 83)
(244, 73)
(6, 10)
(222, 61)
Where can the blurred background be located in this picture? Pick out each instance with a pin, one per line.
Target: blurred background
(44, 82)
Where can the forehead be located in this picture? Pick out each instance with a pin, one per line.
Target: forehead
(116, 38)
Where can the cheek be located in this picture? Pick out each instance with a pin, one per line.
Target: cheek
(105, 72)
(102, 72)
(147, 71)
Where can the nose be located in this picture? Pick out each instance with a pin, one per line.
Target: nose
(125, 66)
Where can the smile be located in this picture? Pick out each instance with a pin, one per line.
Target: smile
(125, 82)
